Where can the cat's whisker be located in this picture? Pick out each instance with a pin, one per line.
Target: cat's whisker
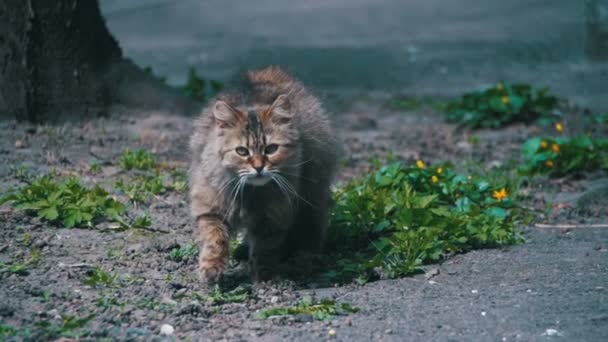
(292, 174)
(291, 189)
(300, 163)
(283, 190)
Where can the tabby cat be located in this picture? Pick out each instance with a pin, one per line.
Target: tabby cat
(262, 160)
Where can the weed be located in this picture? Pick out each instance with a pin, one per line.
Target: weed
(200, 89)
(218, 297)
(140, 189)
(179, 180)
(501, 105)
(400, 218)
(99, 277)
(70, 326)
(184, 254)
(67, 203)
(323, 310)
(561, 156)
(137, 160)
(95, 167)
(22, 268)
(7, 331)
(108, 300)
(143, 221)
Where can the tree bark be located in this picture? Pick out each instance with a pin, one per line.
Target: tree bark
(59, 61)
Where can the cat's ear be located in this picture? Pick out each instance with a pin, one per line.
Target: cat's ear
(225, 115)
(280, 111)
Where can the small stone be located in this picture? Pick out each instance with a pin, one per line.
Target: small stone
(20, 143)
(483, 313)
(166, 329)
(332, 332)
(274, 299)
(388, 331)
(474, 291)
(551, 332)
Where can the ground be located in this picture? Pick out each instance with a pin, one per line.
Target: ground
(356, 55)
(556, 280)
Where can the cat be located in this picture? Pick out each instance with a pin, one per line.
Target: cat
(263, 160)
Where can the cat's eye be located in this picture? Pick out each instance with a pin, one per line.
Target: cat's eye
(270, 149)
(242, 151)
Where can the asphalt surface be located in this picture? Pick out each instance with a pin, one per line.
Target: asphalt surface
(553, 287)
(430, 47)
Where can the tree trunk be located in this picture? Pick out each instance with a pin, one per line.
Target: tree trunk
(59, 61)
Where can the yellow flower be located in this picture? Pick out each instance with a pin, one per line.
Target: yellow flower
(434, 179)
(420, 164)
(500, 194)
(505, 99)
(549, 163)
(559, 127)
(543, 144)
(439, 171)
(555, 148)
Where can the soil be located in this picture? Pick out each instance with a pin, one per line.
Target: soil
(554, 285)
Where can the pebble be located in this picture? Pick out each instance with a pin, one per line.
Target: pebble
(274, 299)
(332, 332)
(166, 329)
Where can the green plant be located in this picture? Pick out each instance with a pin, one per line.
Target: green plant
(7, 331)
(501, 105)
(71, 326)
(561, 156)
(185, 254)
(99, 277)
(400, 218)
(95, 167)
(219, 297)
(22, 268)
(323, 310)
(137, 160)
(143, 221)
(199, 88)
(66, 203)
(141, 188)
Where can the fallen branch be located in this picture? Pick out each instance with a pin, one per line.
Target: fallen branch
(569, 226)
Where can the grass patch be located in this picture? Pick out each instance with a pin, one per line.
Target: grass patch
(142, 188)
(323, 310)
(400, 218)
(502, 105)
(64, 203)
(22, 268)
(138, 159)
(185, 254)
(562, 156)
(199, 88)
(98, 277)
(219, 297)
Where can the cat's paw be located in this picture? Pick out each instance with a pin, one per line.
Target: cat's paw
(211, 273)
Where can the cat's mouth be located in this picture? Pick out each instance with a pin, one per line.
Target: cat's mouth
(257, 179)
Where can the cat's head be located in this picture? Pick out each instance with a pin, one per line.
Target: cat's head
(257, 142)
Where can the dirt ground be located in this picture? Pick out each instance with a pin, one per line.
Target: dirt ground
(552, 286)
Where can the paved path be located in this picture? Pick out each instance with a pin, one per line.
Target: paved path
(429, 47)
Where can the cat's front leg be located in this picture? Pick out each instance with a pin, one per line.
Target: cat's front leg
(214, 251)
(266, 237)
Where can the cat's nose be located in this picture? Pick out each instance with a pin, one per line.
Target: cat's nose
(259, 168)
